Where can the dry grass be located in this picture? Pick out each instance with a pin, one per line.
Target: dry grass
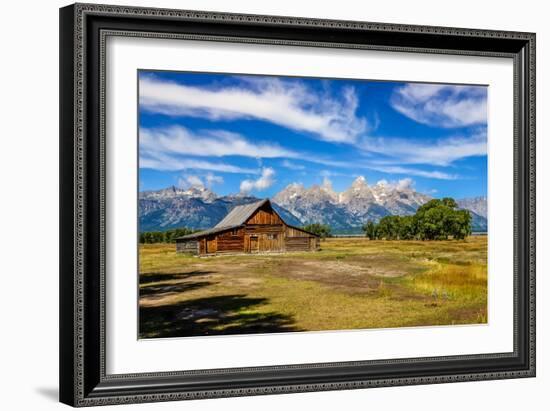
(349, 284)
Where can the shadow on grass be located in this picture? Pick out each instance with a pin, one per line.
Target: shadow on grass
(219, 315)
(162, 290)
(147, 278)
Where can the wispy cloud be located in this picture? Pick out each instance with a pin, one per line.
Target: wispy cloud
(288, 103)
(442, 152)
(265, 180)
(207, 143)
(176, 148)
(194, 181)
(177, 140)
(292, 165)
(212, 179)
(164, 162)
(333, 173)
(402, 184)
(409, 171)
(197, 181)
(442, 105)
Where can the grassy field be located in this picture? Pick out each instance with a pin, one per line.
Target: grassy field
(351, 283)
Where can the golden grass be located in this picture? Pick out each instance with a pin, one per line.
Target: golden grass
(351, 283)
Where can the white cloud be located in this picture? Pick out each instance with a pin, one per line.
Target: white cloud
(287, 103)
(265, 180)
(405, 183)
(196, 181)
(327, 183)
(439, 175)
(333, 173)
(292, 166)
(442, 105)
(212, 179)
(210, 143)
(164, 162)
(442, 152)
(399, 184)
(166, 150)
(173, 141)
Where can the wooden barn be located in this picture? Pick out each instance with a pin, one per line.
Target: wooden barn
(249, 228)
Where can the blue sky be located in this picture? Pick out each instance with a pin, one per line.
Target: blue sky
(257, 134)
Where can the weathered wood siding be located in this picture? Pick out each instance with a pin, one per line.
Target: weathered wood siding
(314, 243)
(262, 243)
(187, 246)
(295, 232)
(297, 243)
(211, 244)
(264, 215)
(299, 240)
(264, 229)
(251, 244)
(264, 232)
(231, 241)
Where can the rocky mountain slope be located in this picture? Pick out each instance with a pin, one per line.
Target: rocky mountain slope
(345, 212)
(353, 207)
(196, 208)
(476, 204)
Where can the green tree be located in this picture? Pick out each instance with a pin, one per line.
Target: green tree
(371, 230)
(439, 219)
(388, 227)
(407, 228)
(322, 230)
(168, 236)
(460, 224)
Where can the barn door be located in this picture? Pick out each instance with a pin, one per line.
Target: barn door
(254, 244)
(211, 245)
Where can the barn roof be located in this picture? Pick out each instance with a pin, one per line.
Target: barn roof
(238, 215)
(235, 218)
(213, 230)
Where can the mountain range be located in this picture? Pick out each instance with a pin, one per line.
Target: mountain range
(346, 211)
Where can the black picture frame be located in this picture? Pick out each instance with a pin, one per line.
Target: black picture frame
(83, 30)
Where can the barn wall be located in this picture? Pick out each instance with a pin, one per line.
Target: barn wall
(294, 232)
(299, 240)
(264, 232)
(315, 243)
(264, 229)
(231, 241)
(297, 243)
(211, 244)
(187, 246)
(264, 242)
(264, 215)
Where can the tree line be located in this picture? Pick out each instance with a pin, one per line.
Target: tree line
(169, 236)
(438, 219)
(435, 220)
(322, 230)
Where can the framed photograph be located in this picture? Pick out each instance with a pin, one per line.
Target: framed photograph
(261, 204)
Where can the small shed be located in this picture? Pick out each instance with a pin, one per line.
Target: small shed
(249, 228)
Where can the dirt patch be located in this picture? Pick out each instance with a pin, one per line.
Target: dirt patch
(336, 274)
